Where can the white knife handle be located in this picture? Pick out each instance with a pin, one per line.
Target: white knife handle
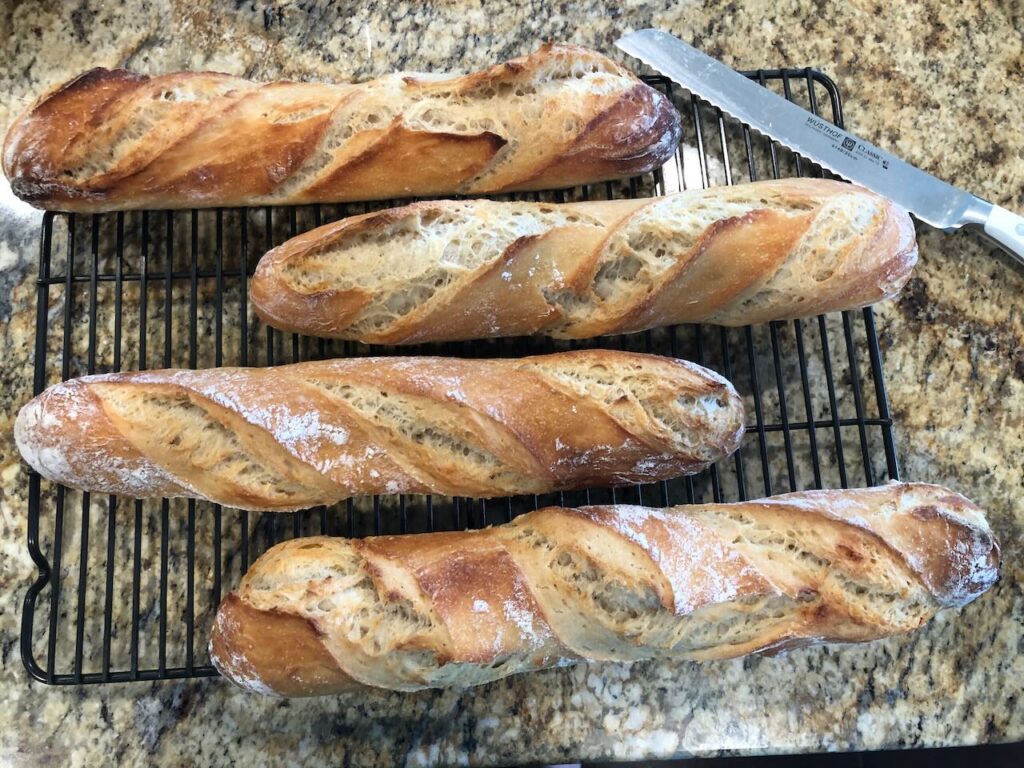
(1007, 229)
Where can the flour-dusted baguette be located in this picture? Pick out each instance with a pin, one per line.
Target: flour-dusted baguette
(300, 435)
(324, 615)
(451, 270)
(111, 139)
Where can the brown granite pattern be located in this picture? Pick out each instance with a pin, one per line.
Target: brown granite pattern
(942, 86)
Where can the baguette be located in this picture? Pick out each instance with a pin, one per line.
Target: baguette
(112, 139)
(327, 615)
(453, 270)
(314, 433)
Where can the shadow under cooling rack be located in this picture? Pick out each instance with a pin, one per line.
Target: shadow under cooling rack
(127, 589)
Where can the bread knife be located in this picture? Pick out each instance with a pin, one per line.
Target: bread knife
(931, 200)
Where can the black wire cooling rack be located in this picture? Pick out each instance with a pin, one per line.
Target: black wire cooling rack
(127, 589)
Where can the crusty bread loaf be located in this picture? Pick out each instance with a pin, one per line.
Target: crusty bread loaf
(324, 615)
(300, 435)
(111, 139)
(451, 270)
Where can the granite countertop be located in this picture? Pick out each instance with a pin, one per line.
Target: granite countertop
(941, 87)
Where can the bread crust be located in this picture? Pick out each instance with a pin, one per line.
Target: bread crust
(772, 250)
(616, 583)
(113, 140)
(314, 433)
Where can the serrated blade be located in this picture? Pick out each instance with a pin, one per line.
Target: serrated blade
(930, 199)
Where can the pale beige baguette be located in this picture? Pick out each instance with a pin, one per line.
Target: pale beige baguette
(112, 139)
(450, 270)
(300, 435)
(327, 615)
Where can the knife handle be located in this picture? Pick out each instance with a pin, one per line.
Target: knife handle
(1007, 229)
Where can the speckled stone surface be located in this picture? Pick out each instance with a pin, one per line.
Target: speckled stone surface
(942, 87)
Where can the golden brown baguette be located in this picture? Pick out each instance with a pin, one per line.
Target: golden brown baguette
(111, 139)
(452, 270)
(326, 615)
(314, 433)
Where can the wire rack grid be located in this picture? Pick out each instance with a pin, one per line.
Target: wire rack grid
(127, 589)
